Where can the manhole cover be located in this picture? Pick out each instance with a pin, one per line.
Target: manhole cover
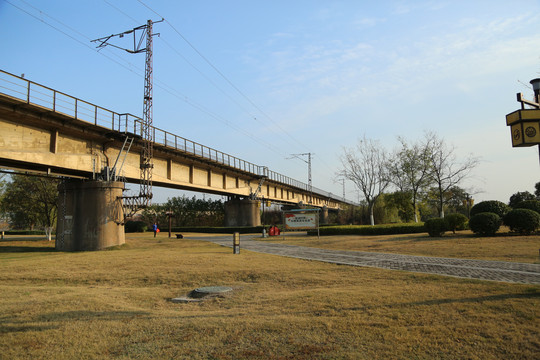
(209, 290)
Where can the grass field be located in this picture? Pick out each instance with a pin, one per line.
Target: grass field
(115, 304)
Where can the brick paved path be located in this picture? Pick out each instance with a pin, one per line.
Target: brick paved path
(473, 269)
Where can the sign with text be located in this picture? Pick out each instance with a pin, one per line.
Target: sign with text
(298, 221)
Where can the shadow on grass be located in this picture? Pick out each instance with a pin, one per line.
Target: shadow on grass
(5, 329)
(11, 325)
(85, 315)
(23, 249)
(533, 294)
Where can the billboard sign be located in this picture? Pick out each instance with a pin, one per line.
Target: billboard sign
(299, 221)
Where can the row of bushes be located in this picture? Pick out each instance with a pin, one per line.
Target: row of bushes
(389, 229)
(522, 221)
(24, 232)
(140, 226)
(452, 222)
(488, 216)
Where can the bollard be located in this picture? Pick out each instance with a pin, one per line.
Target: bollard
(236, 243)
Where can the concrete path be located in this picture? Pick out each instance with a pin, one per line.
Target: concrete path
(472, 269)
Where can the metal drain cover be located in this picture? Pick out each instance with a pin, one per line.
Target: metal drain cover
(209, 290)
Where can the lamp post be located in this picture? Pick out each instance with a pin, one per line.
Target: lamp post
(525, 123)
(169, 214)
(536, 87)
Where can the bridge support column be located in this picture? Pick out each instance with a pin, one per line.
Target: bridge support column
(242, 212)
(324, 215)
(90, 215)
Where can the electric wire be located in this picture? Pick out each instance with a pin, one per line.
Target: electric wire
(160, 85)
(295, 141)
(85, 44)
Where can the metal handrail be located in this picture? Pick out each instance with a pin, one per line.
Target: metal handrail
(59, 102)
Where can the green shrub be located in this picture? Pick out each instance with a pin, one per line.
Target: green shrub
(485, 223)
(24, 232)
(132, 226)
(529, 204)
(455, 222)
(523, 221)
(490, 206)
(221, 230)
(435, 227)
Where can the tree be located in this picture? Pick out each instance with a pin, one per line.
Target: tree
(410, 170)
(446, 172)
(31, 201)
(3, 213)
(186, 212)
(367, 167)
(537, 190)
(405, 208)
(519, 197)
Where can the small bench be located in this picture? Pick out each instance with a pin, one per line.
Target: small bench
(179, 236)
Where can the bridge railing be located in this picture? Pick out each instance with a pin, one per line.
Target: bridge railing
(59, 102)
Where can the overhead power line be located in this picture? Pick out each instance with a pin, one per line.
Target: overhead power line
(75, 35)
(295, 141)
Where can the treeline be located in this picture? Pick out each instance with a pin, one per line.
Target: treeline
(415, 181)
(185, 211)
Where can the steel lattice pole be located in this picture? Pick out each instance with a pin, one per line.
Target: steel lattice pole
(147, 153)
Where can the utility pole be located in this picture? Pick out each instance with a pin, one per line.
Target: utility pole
(342, 181)
(146, 33)
(308, 161)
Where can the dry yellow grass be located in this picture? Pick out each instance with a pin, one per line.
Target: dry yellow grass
(115, 304)
(503, 247)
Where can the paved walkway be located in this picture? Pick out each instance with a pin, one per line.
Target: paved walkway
(472, 269)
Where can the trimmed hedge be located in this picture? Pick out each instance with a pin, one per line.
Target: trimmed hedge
(529, 204)
(485, 223)
(455, 221)
(215, 230)
(523, 221)
(132, 226)
(25, 232)
(435, 227)
(490, 206)
(388, 229)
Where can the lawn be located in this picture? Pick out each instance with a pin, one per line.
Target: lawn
(115, 304)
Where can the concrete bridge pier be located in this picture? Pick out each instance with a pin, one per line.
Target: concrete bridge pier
(242, 212)
(90, 215)
(324, 215)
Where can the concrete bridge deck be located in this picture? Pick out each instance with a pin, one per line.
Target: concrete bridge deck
(44, 130)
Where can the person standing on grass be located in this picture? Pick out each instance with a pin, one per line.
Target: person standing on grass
(154, 229)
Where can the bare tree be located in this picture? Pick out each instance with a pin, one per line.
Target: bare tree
(410, 170)
(366, 166)
(446, 172)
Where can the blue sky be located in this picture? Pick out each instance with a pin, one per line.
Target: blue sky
(300, 76)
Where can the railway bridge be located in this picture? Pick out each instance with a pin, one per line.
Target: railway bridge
(98, 150)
